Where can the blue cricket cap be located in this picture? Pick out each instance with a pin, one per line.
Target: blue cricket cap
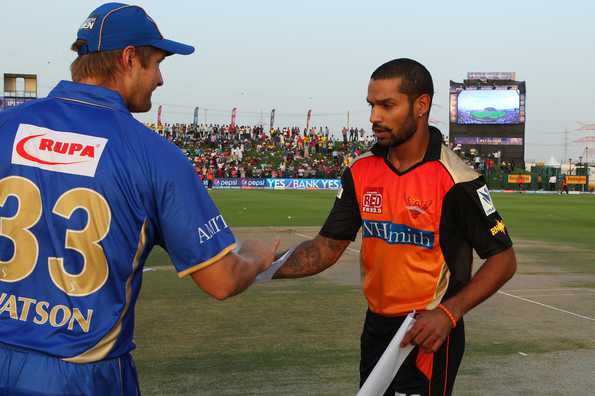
(114, 26)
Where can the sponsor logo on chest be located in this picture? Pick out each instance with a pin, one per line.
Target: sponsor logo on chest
(372, 200)
(416, 206)
(65, 152)
(398, 234)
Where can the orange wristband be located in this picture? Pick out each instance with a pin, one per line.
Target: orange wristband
(451, 317)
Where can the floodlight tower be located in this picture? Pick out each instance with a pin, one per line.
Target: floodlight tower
(587, 140)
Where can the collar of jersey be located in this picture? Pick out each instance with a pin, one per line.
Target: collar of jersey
(90, 94)
(432, 152)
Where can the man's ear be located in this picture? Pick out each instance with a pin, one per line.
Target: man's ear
(128, 58)
(422, 105)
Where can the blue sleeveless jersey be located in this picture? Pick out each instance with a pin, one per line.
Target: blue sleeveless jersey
(85, 192)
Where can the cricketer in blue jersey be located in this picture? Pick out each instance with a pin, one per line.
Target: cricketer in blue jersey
(85, 192)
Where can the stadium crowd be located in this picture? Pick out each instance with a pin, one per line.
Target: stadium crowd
(221, 151)
(224, 151)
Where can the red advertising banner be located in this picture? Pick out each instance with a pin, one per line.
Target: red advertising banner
(234, 114)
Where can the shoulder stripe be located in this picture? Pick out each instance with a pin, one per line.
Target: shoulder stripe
(208, 262)
(458, 169)
(361, 156)
(84, 102)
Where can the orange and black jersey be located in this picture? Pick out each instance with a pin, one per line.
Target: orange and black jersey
(418, 227)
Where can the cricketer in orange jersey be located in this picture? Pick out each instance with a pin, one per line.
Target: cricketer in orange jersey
(422, 211)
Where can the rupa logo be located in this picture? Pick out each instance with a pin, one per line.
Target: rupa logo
(51, 150)
(372, 200)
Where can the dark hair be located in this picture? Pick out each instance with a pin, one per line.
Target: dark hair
(415, 78)
(103, 65)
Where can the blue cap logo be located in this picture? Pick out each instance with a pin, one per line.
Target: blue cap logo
(89, 23)
(114, 26)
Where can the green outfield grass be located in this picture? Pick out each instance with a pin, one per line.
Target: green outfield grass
(284, 338)
(273, 208)
(488, 115)
(567, 219)
(301, 337)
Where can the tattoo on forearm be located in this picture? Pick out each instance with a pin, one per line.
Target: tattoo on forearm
(312, 257)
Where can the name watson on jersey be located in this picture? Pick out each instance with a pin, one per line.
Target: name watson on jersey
(28, 309)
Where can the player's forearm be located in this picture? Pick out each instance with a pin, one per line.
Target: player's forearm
(235, 271)
(311, 257)
(243, 272)
(249, 262)
(493, 274)
(230, 276)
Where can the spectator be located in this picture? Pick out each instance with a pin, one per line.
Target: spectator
(318, 153)
(552, 181)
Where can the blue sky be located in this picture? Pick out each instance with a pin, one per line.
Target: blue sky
(293, 56)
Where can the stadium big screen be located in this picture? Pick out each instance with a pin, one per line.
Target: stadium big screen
(487, 113)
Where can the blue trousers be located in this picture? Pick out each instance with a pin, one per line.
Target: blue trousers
(28, 373)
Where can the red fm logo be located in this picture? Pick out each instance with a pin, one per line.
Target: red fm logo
(372, 200)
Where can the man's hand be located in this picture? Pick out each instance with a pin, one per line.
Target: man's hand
(235, 271)
(432, 327)
(429, 331)
(256, 250)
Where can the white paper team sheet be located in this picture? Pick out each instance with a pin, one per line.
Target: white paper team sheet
(389, 363)
(267, 274)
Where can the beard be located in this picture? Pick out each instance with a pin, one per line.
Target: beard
(400, 136)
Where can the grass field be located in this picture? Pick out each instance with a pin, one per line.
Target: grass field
(301, 337)
(488, 115)
(567, 219)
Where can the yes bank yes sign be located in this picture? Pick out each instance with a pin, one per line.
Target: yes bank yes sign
(65, 152)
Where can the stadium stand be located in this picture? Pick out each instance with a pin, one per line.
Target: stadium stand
(247, 151)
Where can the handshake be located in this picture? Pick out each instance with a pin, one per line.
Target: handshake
(250, 262)
(268, 273)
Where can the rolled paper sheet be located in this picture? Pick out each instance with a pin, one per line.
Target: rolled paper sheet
(389, 363)
(267, 274)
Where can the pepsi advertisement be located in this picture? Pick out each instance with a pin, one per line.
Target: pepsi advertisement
(276, 184)
(241, 183)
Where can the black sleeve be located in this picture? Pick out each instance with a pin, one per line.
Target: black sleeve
(344, 221)
(479, 222)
